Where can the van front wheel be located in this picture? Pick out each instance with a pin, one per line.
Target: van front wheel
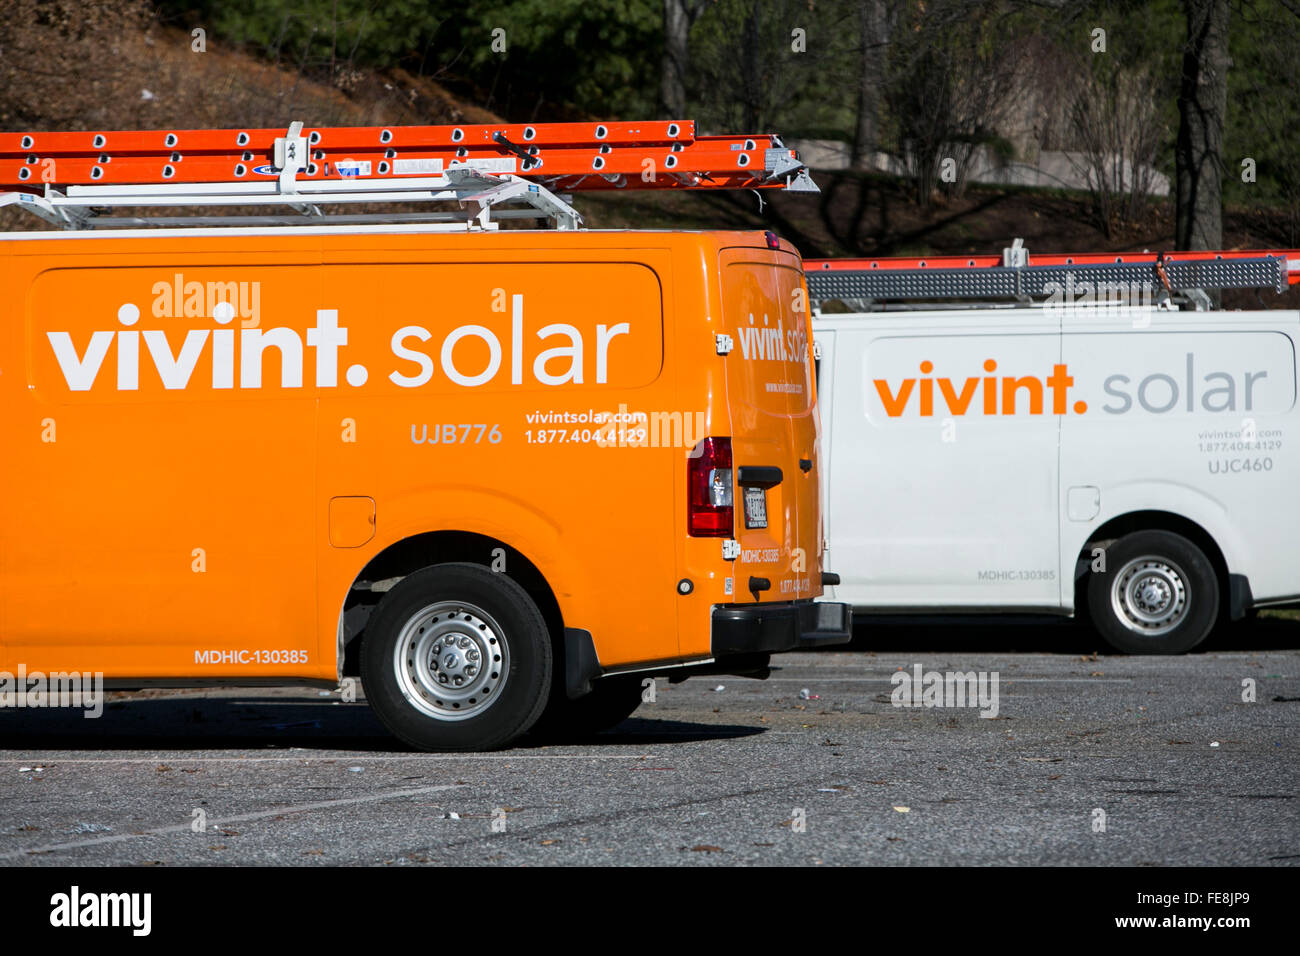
(456, 657)
(1158, 594)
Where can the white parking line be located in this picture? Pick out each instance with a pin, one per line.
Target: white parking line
(241, 818)
(1004, 679)
(172, 755)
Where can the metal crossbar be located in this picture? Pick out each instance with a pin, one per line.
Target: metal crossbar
(476, 195)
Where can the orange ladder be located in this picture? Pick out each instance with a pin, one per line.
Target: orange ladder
(75, 180)
(563, 156)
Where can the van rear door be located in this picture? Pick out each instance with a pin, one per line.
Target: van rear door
(770, 392)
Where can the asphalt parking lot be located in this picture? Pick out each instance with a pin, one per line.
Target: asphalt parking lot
(1090, 759)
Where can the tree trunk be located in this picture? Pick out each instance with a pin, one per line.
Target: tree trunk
(873, 34)
(1202, 105)
(751, 71)
(679, 15)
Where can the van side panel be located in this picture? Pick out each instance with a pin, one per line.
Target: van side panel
(1192, 414)
(11, 389)
(1183, 413)
(944, 489)
(163, 526)
(207, 438)
(532, 427)
(701, 387)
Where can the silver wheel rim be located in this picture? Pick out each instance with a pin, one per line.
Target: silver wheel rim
(451, 660)
(1150, 596)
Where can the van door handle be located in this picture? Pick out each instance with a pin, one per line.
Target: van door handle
(761, 476)
(805, 464)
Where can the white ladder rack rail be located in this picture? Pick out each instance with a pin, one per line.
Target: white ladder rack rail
(82, 207)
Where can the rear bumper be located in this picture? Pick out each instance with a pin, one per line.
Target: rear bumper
(771, 628)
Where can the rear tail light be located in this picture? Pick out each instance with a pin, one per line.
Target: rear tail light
(709, 509)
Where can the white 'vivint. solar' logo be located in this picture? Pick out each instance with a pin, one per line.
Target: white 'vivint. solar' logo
(237, 360)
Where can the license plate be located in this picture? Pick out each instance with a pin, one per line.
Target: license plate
(755, 508)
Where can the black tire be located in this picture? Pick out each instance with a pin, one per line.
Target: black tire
(454, 621)
(612, 700)
(1158, 595)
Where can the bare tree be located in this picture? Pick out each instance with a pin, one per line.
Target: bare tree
(679, 17)
(949, 86)
(756, 63)
(1114, 121)
(873, 32)
(1202, 105)
(1265, 112)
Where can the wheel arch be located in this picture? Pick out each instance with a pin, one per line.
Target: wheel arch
(1234, 592)
(425, 549)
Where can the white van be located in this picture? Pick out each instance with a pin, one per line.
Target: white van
(1132, 465)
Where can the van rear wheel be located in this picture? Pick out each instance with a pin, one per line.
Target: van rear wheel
(1158, 595)
(456, 657)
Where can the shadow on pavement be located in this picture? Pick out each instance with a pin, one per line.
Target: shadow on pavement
(200, 723)
(274, 723)
(636, 731)
(1044, 635)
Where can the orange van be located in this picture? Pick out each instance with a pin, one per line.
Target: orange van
(502, 476)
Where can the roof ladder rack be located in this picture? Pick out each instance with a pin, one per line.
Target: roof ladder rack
(1161, 279)
(74, 180)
